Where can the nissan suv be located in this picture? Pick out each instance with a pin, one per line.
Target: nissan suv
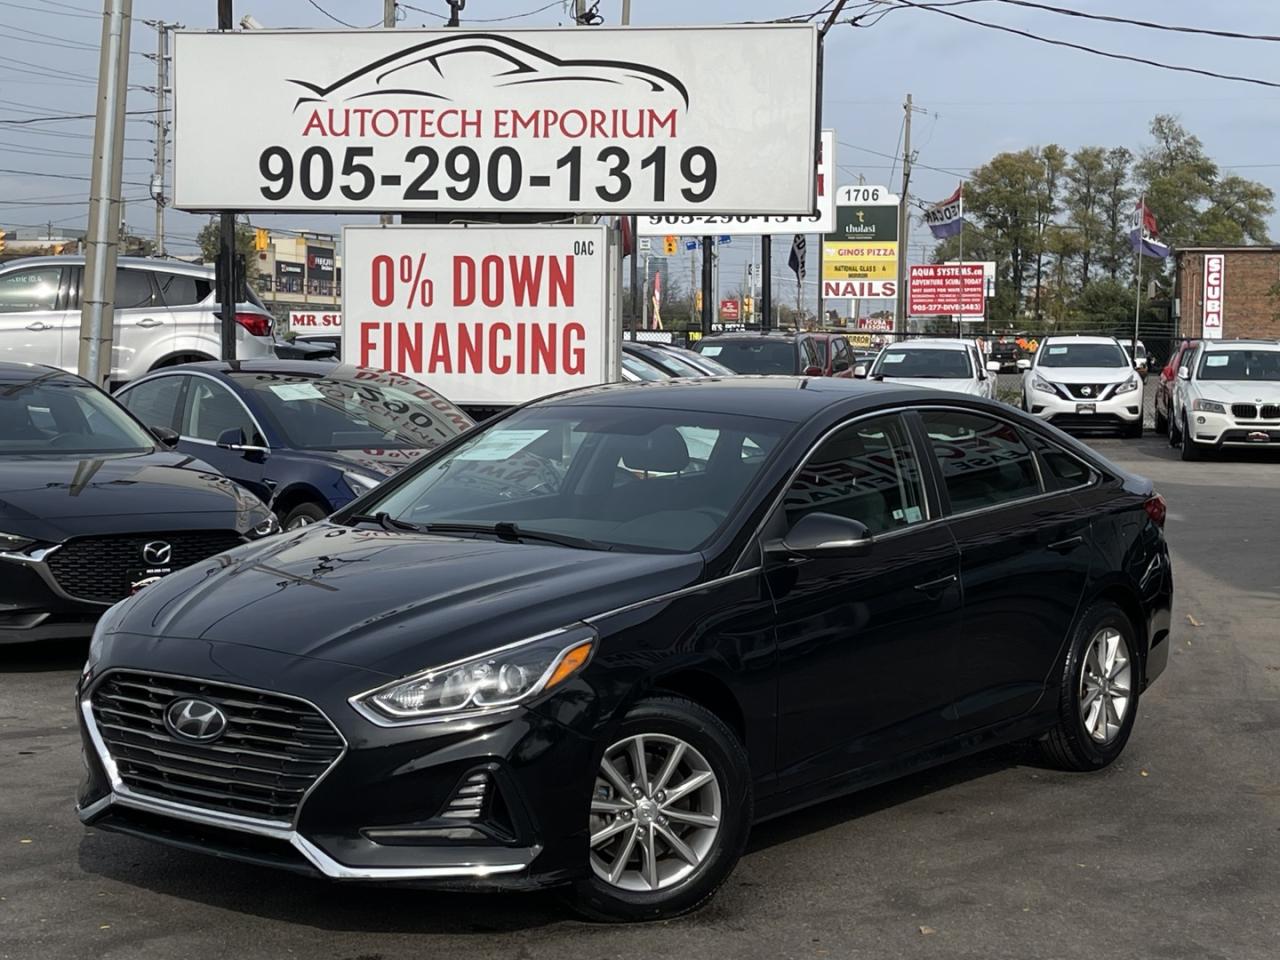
(165, 313)
(1084, 383)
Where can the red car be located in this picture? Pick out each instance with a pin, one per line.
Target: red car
(1164, 389)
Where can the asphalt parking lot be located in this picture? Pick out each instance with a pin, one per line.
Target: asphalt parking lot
(1173, 852)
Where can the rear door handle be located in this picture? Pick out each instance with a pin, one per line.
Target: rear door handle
(1067, 545)
(149, 322)
(934, 588)
(39, 325)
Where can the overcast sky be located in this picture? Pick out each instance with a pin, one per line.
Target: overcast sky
(982, 91)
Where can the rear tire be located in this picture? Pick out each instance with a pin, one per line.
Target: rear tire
(638, 870)
(1098, 702)
(1162, 423)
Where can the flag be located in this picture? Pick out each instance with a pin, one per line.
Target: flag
(946, 219)
(628, 241)
(1145, 236)
(797, 258)
(656, 315)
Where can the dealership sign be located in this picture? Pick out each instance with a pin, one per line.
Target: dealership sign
(485, 315)
(636, 120)
(944, 290)
(860, 254)
(729, 225)
(1215, 274)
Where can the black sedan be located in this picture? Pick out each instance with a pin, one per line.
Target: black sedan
(94, 508)
(306, 436)
(592, 641)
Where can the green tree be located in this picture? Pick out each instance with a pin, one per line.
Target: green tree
(210, 240)
(1114, 252)
(1175, 176)
(1004, 196)
(1238, 211)
(1084, 205)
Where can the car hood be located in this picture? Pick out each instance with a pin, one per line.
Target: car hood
(1084, 374)
(53, 498)
(958, 385)
(393, 603)
(1240, 391)
(376, 463)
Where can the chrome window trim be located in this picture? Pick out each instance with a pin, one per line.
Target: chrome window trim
(257, 425)
(276, 829)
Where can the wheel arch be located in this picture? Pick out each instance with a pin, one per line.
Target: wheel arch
(175, 357)
(295, 495)
(701, 685)
(1126, 598)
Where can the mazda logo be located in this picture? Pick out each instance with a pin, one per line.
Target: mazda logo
(197, 720)
(157, 553)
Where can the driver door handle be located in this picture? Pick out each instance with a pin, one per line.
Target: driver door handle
(1067, 545)
(933, 589)
(149, 322)
(39, 325)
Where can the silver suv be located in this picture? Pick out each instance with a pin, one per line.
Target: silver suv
(164, 314)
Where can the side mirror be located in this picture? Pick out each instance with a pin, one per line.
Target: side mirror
(168, 438)
(1184, 373)
(860, 371)
(993, 366)
(825, 535)
(1024, 364)
(812, 371)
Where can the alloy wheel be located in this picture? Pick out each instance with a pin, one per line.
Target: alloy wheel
(1105, 684)
(655, 813)
(299, 522)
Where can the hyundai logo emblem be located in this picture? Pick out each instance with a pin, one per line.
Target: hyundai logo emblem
(196, 720)
(157, 553)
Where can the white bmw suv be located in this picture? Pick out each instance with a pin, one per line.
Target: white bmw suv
(1084, 383)
(1226, 395)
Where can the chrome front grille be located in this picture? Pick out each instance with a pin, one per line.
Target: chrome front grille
(1088, 391)
(274, 750)
(1244, 411)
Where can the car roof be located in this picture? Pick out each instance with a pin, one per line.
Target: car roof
(792, 399)
(940, 343)
(753, 335)
(220, 368)
(1078, 338)
(142, 263)
(1240, 344)
(12, 371)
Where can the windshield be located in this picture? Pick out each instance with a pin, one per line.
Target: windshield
(1240, 365)
(641, 370)
(924, 363)
(679, 366)
(622, 477)
(354, 409)
(752, 356)
(708, 366)
(1082, 355)
(58, 414)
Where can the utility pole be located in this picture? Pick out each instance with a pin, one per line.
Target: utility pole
(97, 318)
(388, 23)
(904, 222)
(228, 288)
(159, 189)
(455, 8)
(766, 283)
(708, 250)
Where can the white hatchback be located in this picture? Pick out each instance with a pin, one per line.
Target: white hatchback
(1084, 383)
(1226, 395)
(165, 313)
(939, 364)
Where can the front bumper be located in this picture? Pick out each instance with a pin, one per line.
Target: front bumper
(1113, 412)
(388, 808)
(1225, 430)
(32, 607)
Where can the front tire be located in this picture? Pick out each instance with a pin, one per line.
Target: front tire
(1134, 430)
(669, 814)
(303, 515)
(1189, 449)
(1099, 699)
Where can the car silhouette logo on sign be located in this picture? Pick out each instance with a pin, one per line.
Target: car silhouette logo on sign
(157, 553)
(196, 720)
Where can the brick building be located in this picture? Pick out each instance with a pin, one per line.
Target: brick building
(1249, 305)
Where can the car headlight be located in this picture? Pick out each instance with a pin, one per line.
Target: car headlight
(359, 482)
(265, 528)
(1208, 406)
(1043, 385)
(11, 542)
(501, 678)
(1128, 386)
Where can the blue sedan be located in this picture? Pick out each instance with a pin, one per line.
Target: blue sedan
(306, 436)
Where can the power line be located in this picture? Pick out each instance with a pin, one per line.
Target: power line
(513, 16)
(61, 41)
(69, 116)
(62, 176)
(57, 13)
(1148, 24)
(898, 159)
(352, 26)
(935, 8)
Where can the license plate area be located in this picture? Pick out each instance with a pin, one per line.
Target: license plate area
(140, 579)
(1086, 408)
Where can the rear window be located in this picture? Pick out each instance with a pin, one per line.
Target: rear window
(752, 356)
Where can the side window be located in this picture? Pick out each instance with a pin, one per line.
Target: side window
(212, 409)
(1061, 470)
(154, 402)
(983, 461)
(866, 472)
(810, 356)
(133, 289)
(177, 290)
(25, 290)
(839, 355)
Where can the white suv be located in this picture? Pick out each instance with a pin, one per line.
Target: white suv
(940, 364)
(165, 313)
(1226, 394)
(1084, 383)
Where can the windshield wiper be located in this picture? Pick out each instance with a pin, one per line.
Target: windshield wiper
(386, 521)
(511, 533)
